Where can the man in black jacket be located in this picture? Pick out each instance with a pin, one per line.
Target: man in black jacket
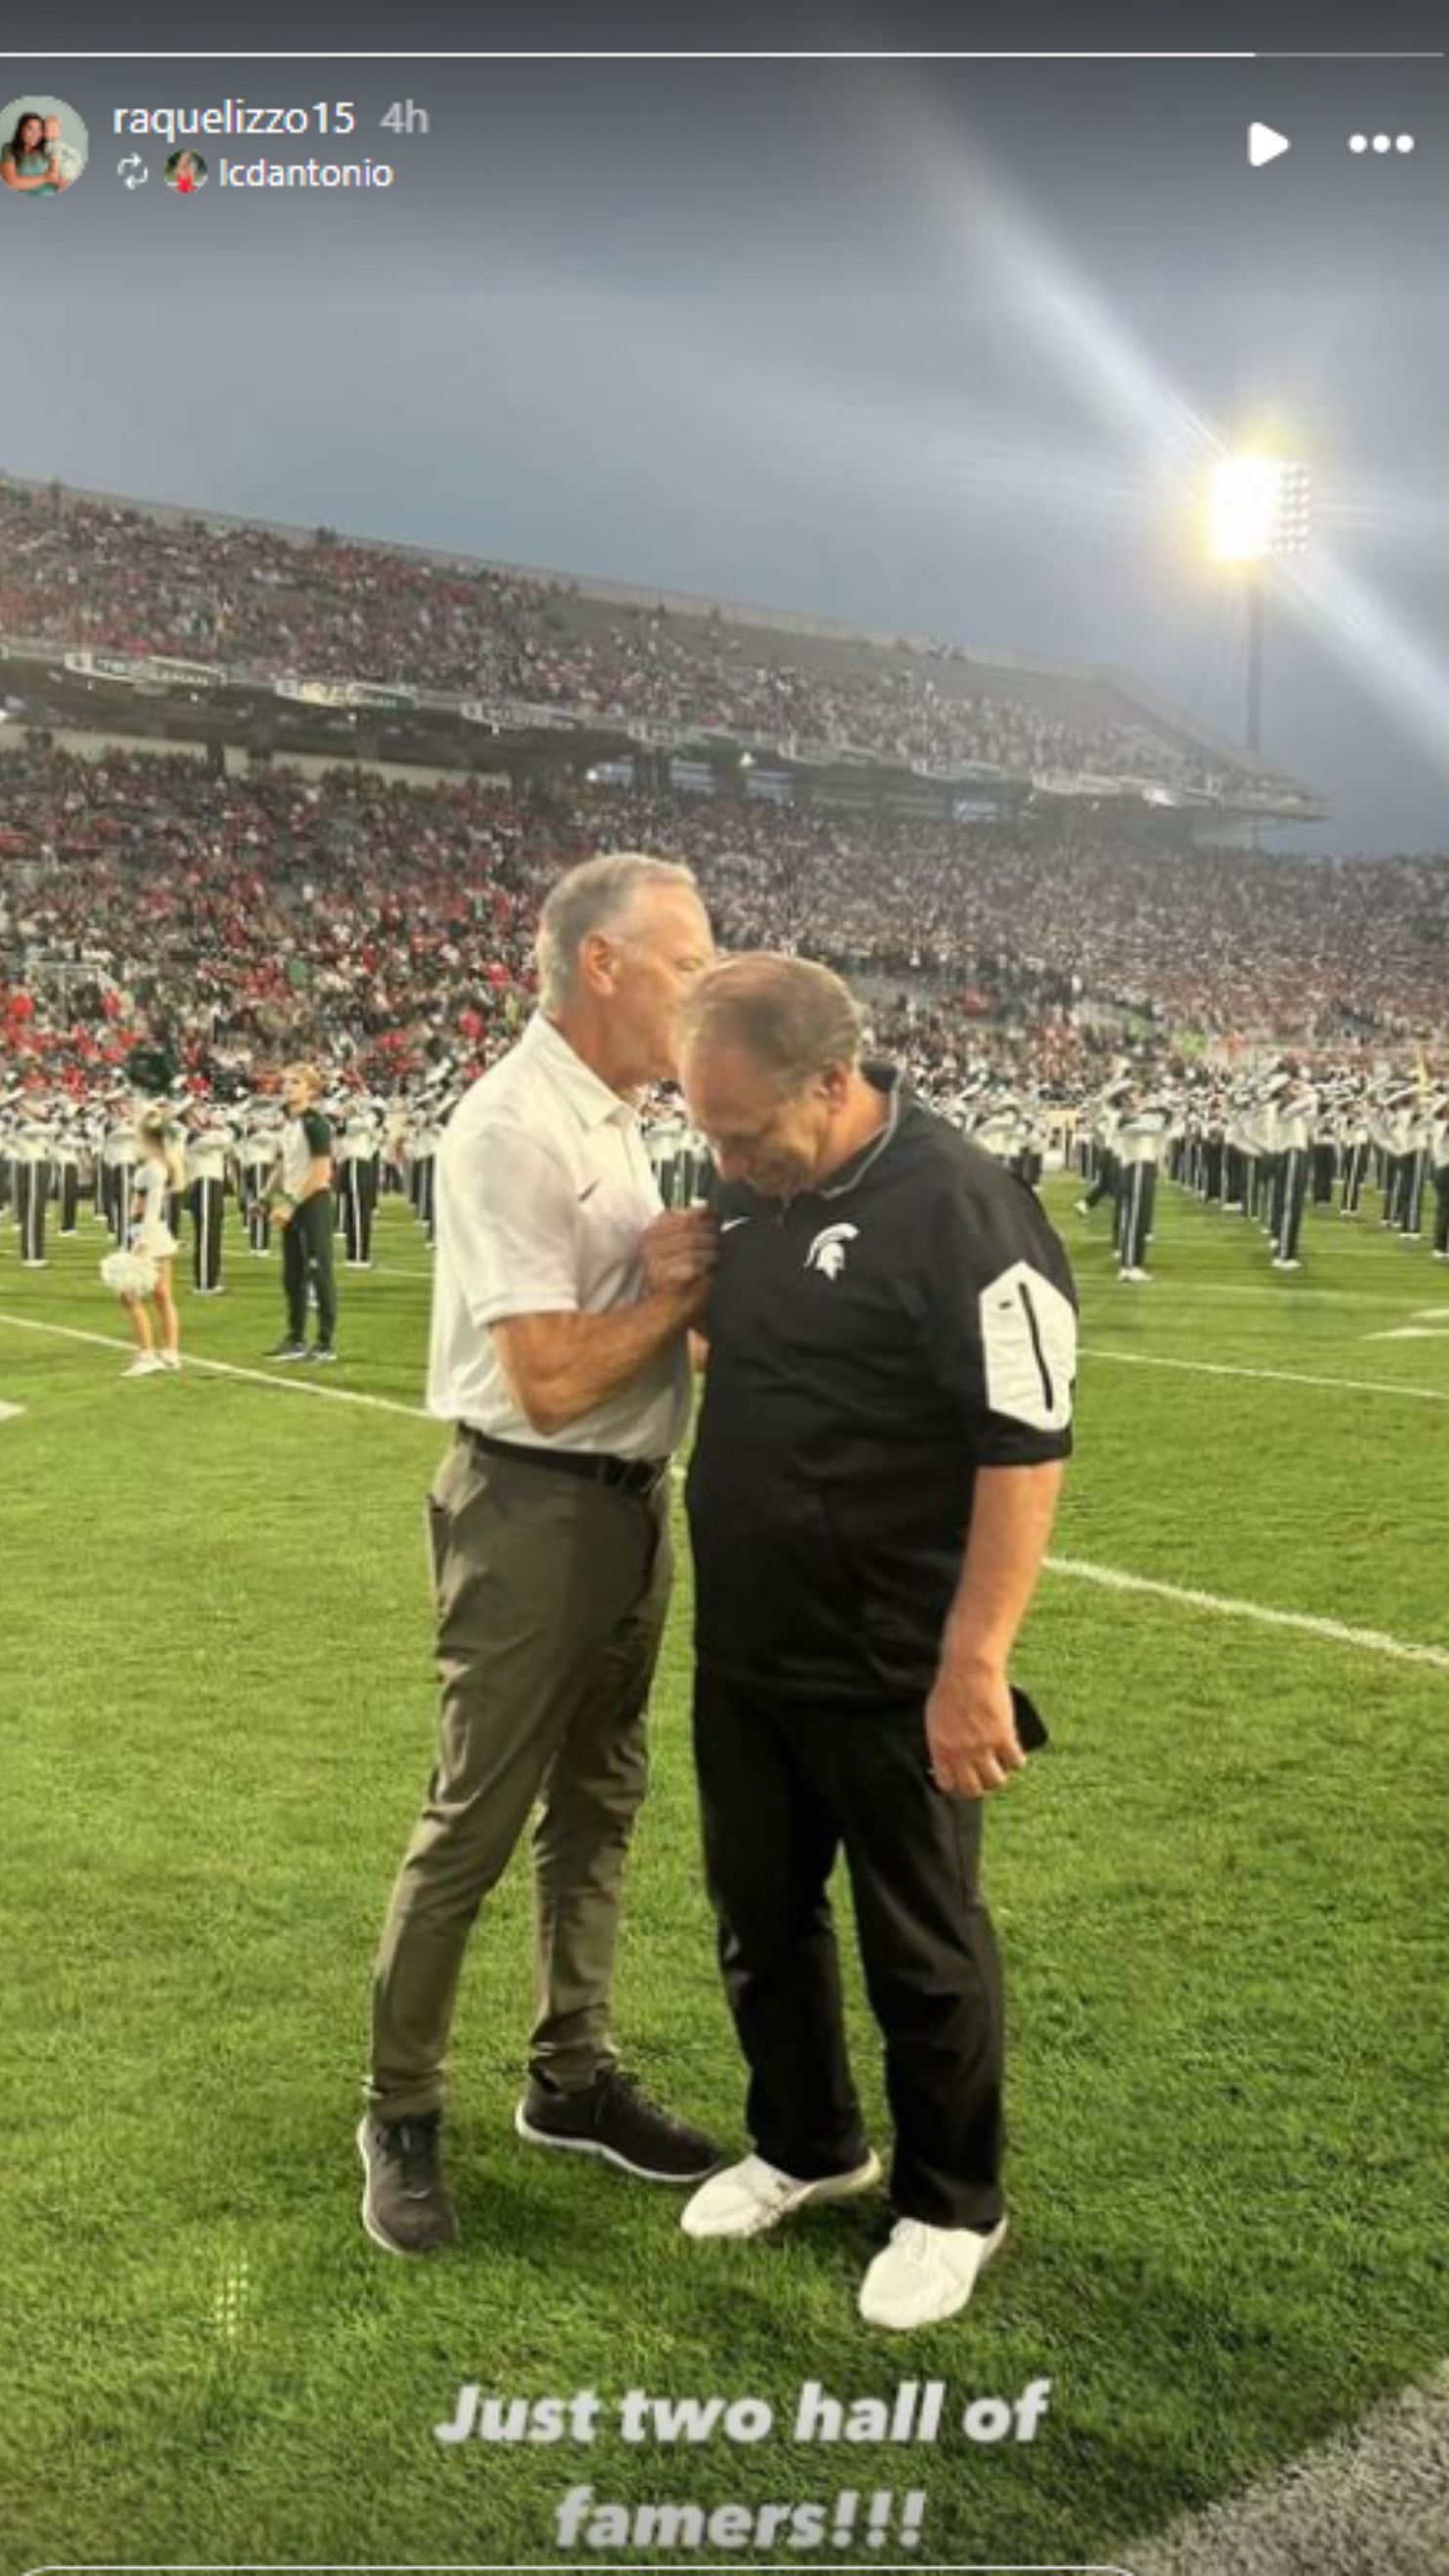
(892, 1350)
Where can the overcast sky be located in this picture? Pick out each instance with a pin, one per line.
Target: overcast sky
(935, 347)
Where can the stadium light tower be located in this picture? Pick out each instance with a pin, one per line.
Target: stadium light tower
(1259, 507)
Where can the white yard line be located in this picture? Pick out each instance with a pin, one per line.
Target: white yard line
(1275, 1377)
(1111, 1578)
(300, 1378)
(1172, 1284)
(1373, 1641)
(1375, 2498)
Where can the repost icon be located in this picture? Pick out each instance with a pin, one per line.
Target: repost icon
(133, 170)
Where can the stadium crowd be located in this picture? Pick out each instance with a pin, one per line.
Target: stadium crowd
(386, 926)
(108, 577)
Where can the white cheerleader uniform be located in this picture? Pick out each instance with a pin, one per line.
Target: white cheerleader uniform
(153, 1234)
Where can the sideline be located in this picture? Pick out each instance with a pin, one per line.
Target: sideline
(294, 1382)
(1374, 2497)
(1073, 1569)
(1275, 1377)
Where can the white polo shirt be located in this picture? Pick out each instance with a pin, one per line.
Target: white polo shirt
(543, 1190)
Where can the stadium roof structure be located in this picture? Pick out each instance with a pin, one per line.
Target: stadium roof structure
(1058, 735)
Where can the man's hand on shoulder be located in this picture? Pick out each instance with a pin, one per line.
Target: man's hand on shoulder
(971, 1731)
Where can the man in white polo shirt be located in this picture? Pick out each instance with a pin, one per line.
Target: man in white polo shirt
(561, 1305)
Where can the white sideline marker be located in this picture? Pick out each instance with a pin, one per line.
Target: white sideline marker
(1274, 1377)
(1429, 1325)
(1111, 1578)
(1373, 2496)
(292, 1384)
(1372, 1641)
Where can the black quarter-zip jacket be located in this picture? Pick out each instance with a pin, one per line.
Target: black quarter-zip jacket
(873, 1343)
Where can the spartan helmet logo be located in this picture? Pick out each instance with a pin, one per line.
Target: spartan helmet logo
(827, 1252)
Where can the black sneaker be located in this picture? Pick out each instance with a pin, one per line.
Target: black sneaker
(286, 1351)
(613, 2119)
(321, 1355)
(405, 2205)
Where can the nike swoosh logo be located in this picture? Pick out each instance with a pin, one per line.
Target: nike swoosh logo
(731, 1221)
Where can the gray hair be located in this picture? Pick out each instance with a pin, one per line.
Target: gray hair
(793, 1017)
(591, 898)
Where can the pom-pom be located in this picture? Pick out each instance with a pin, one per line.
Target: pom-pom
(131, 1274)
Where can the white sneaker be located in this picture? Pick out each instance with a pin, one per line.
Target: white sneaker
(1136, 1276)
(1280, 1264)
(749, 2198)
(925, 2273)
(145, 1364)
(169, 1359)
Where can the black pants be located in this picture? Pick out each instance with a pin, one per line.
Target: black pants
(69, 1197)
(252, 1206)
(1138, 1199)
(120, 1181)
(1441, 1213)
(1395, 1188)
(784, 1786)
(1293, 1191)
(208, 1208)
(307, 1263)
(32, 1191)
(358, 1195)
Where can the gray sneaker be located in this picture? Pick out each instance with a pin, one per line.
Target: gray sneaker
(612, 2118)
(405, 2204)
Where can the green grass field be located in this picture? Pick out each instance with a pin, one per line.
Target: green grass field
(1220, 1894)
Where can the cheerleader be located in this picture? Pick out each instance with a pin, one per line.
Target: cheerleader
(144, 1271)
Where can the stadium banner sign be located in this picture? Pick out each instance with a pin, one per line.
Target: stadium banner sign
(649, 729)
(105, 666)
(354, 695)
(383, 701)
(812, 755)
(1064, 782)
(185, 675)
(140, 671)
(515, 715)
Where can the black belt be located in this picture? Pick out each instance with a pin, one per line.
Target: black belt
(625, 1475)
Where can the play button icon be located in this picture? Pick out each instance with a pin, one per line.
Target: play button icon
(1265, 144)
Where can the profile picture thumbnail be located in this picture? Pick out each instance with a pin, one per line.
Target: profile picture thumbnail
(44, 147)
(186, 172)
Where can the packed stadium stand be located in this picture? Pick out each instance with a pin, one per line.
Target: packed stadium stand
(390, 923)
(99, 596)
